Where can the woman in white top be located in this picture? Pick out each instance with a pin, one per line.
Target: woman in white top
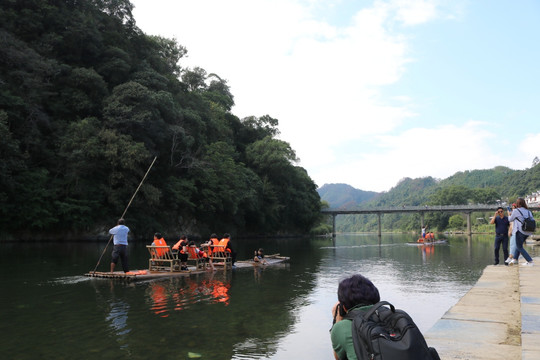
(518, 216)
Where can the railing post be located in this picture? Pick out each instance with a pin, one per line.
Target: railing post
(379, 216)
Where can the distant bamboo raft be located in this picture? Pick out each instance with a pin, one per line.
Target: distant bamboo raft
(272, 259)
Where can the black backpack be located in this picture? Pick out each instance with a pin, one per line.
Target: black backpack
(528, 224)
(383, 333)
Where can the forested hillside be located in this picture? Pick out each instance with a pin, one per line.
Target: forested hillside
(490, 186)
(87, 100)
(343, 196)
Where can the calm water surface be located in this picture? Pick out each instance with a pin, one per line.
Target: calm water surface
(48, 310)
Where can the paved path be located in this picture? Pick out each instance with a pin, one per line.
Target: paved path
(499, 318)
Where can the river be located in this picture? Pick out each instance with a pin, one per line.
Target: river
(49, 310)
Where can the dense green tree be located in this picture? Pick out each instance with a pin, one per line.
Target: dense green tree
(451, 195)
(456, 221)
(86, 102)
(484, 196)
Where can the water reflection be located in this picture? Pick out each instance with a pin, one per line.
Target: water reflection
(117, 318)
(277, 312)
(427, 251)
(181, 293)
(109, 296)
(158, 295)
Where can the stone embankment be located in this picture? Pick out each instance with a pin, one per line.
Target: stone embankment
(499, 318)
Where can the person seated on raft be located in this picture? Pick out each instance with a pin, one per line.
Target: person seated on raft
(159, 241)
(259, 256)
(181, 249)
(227, 244)
(209, 245)
(196, 252)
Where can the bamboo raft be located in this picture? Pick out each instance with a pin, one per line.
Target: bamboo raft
(140, 275)
(434, 242)
(270, 260)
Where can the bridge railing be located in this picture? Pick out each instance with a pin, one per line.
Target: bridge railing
(467, 209)
(424, 208)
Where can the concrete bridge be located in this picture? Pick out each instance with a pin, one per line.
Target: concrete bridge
(467, 209)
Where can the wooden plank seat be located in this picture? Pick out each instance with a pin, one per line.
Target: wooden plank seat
(220, 256)
(162, 259)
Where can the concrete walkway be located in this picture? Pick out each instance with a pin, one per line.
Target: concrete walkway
(499, 318)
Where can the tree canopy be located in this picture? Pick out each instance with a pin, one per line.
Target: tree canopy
(87, 100)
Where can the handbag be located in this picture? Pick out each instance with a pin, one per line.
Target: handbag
(528, 224)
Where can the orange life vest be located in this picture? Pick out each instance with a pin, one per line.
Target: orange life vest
(179, 246)
(224, 242)
(196, 253)
(161, 242)
(213, 241)
(192, 250)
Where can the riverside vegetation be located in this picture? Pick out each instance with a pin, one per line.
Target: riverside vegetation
(87, 100)
(491, 186)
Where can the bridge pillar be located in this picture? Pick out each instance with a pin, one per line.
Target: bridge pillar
(469, 227)
(421, 220)
(379, 216)
(334, 225)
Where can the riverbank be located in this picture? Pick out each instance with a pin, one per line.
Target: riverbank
(498, 318)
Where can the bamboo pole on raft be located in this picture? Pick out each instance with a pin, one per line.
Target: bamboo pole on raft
(126, 209)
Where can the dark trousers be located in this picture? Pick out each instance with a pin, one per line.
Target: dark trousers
(520, 240)
(120, 252)
(500, 239)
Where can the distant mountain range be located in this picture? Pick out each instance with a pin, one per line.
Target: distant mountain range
(343, 196)
(506, 182)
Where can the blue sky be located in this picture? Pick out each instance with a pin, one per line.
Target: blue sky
(370, 92)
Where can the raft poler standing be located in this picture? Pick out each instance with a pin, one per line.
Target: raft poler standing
(120, 248)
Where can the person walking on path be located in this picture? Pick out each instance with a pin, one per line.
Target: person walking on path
(120, 241)
(518, 217)
(512, 237)
(501, 234)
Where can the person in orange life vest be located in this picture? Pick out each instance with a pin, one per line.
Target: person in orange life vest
(160, 241)
(181, 248)
(228, 246)
(210, 248)
(195, 252)
(213, 241)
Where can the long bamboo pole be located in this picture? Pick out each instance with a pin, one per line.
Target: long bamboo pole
(125, 210)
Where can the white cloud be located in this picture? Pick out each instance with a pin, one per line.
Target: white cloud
(439, 152)
(322, 82)
(421, 152)
(414, 12)
(528, 150)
